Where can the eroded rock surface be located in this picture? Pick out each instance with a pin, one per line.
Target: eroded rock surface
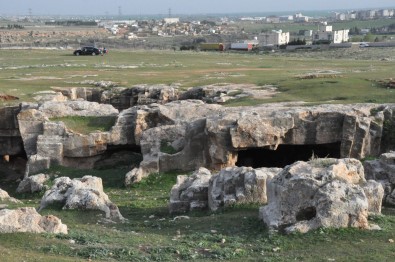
(213, 135)
(5, 197)
(188, 134)
(383, 171)
(33, 184)
(318, 193)
(236, 185)
(26, 219)
(191, 192)
(84, 193)
(232, 185)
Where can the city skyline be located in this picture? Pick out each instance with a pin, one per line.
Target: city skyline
(124, 7)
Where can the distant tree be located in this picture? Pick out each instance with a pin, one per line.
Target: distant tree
(368, 37)
(355, 31)
(206, 22)
(297, 42)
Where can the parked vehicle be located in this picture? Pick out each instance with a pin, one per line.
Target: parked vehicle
(363, 44)
(87, 50)
(241, 46)
(212, 47)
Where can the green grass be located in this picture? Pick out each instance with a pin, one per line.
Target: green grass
(24, 72)
(87, 124)
(152, 234)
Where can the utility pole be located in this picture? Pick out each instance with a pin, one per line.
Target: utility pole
(169, 12)
(119, 11)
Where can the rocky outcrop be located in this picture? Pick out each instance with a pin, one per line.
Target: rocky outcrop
(191, 192)
(33, 184)
(236, 185)
(383, 171)
(52, 143)
(126, 97)
(212, 136)
(5, 197)
(26, 219)
(319, 193)
(188, 134)
(85, 193)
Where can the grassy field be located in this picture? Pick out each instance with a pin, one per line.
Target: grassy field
(151, 234)
(24, 72)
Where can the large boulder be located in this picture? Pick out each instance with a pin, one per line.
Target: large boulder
(33, 184)
(191, 192)
(234, 185)
(26, 219)
(84, 193)
(319, 193)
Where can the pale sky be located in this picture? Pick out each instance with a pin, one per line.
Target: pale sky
(137, 7)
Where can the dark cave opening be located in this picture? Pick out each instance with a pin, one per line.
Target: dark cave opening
(306, 214)
(285, 154)
(12, 167)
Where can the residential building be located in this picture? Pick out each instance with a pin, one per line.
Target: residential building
(273, 38)
(171, 20)
(325, 33)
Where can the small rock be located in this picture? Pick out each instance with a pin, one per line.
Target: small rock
(72, 241)
(390, 240)
(223, 241)
(151, 216)
(180, 217)
(213, 231)
(276, 249)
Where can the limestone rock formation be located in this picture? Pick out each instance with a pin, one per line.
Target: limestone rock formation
(212, 136)
(383, 171)
(52, 143)
(33, 184)
(318, 193)
(188, 134)
(5, 197)
(26, 219)
(374, 192)
(233, 185)
(81, 193)
(191, 192)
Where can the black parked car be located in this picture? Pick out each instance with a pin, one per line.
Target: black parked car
(87, 50)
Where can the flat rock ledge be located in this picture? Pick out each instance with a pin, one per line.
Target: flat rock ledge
(84, 193)
(325, 192)
(26, 219)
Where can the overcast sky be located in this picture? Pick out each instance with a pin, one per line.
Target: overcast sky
(136, 7)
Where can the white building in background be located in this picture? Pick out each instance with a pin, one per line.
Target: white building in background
(171, 20)
(325, 33)
(273, 38)
(300, 18)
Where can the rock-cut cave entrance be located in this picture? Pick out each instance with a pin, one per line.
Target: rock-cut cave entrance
(285, 154)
